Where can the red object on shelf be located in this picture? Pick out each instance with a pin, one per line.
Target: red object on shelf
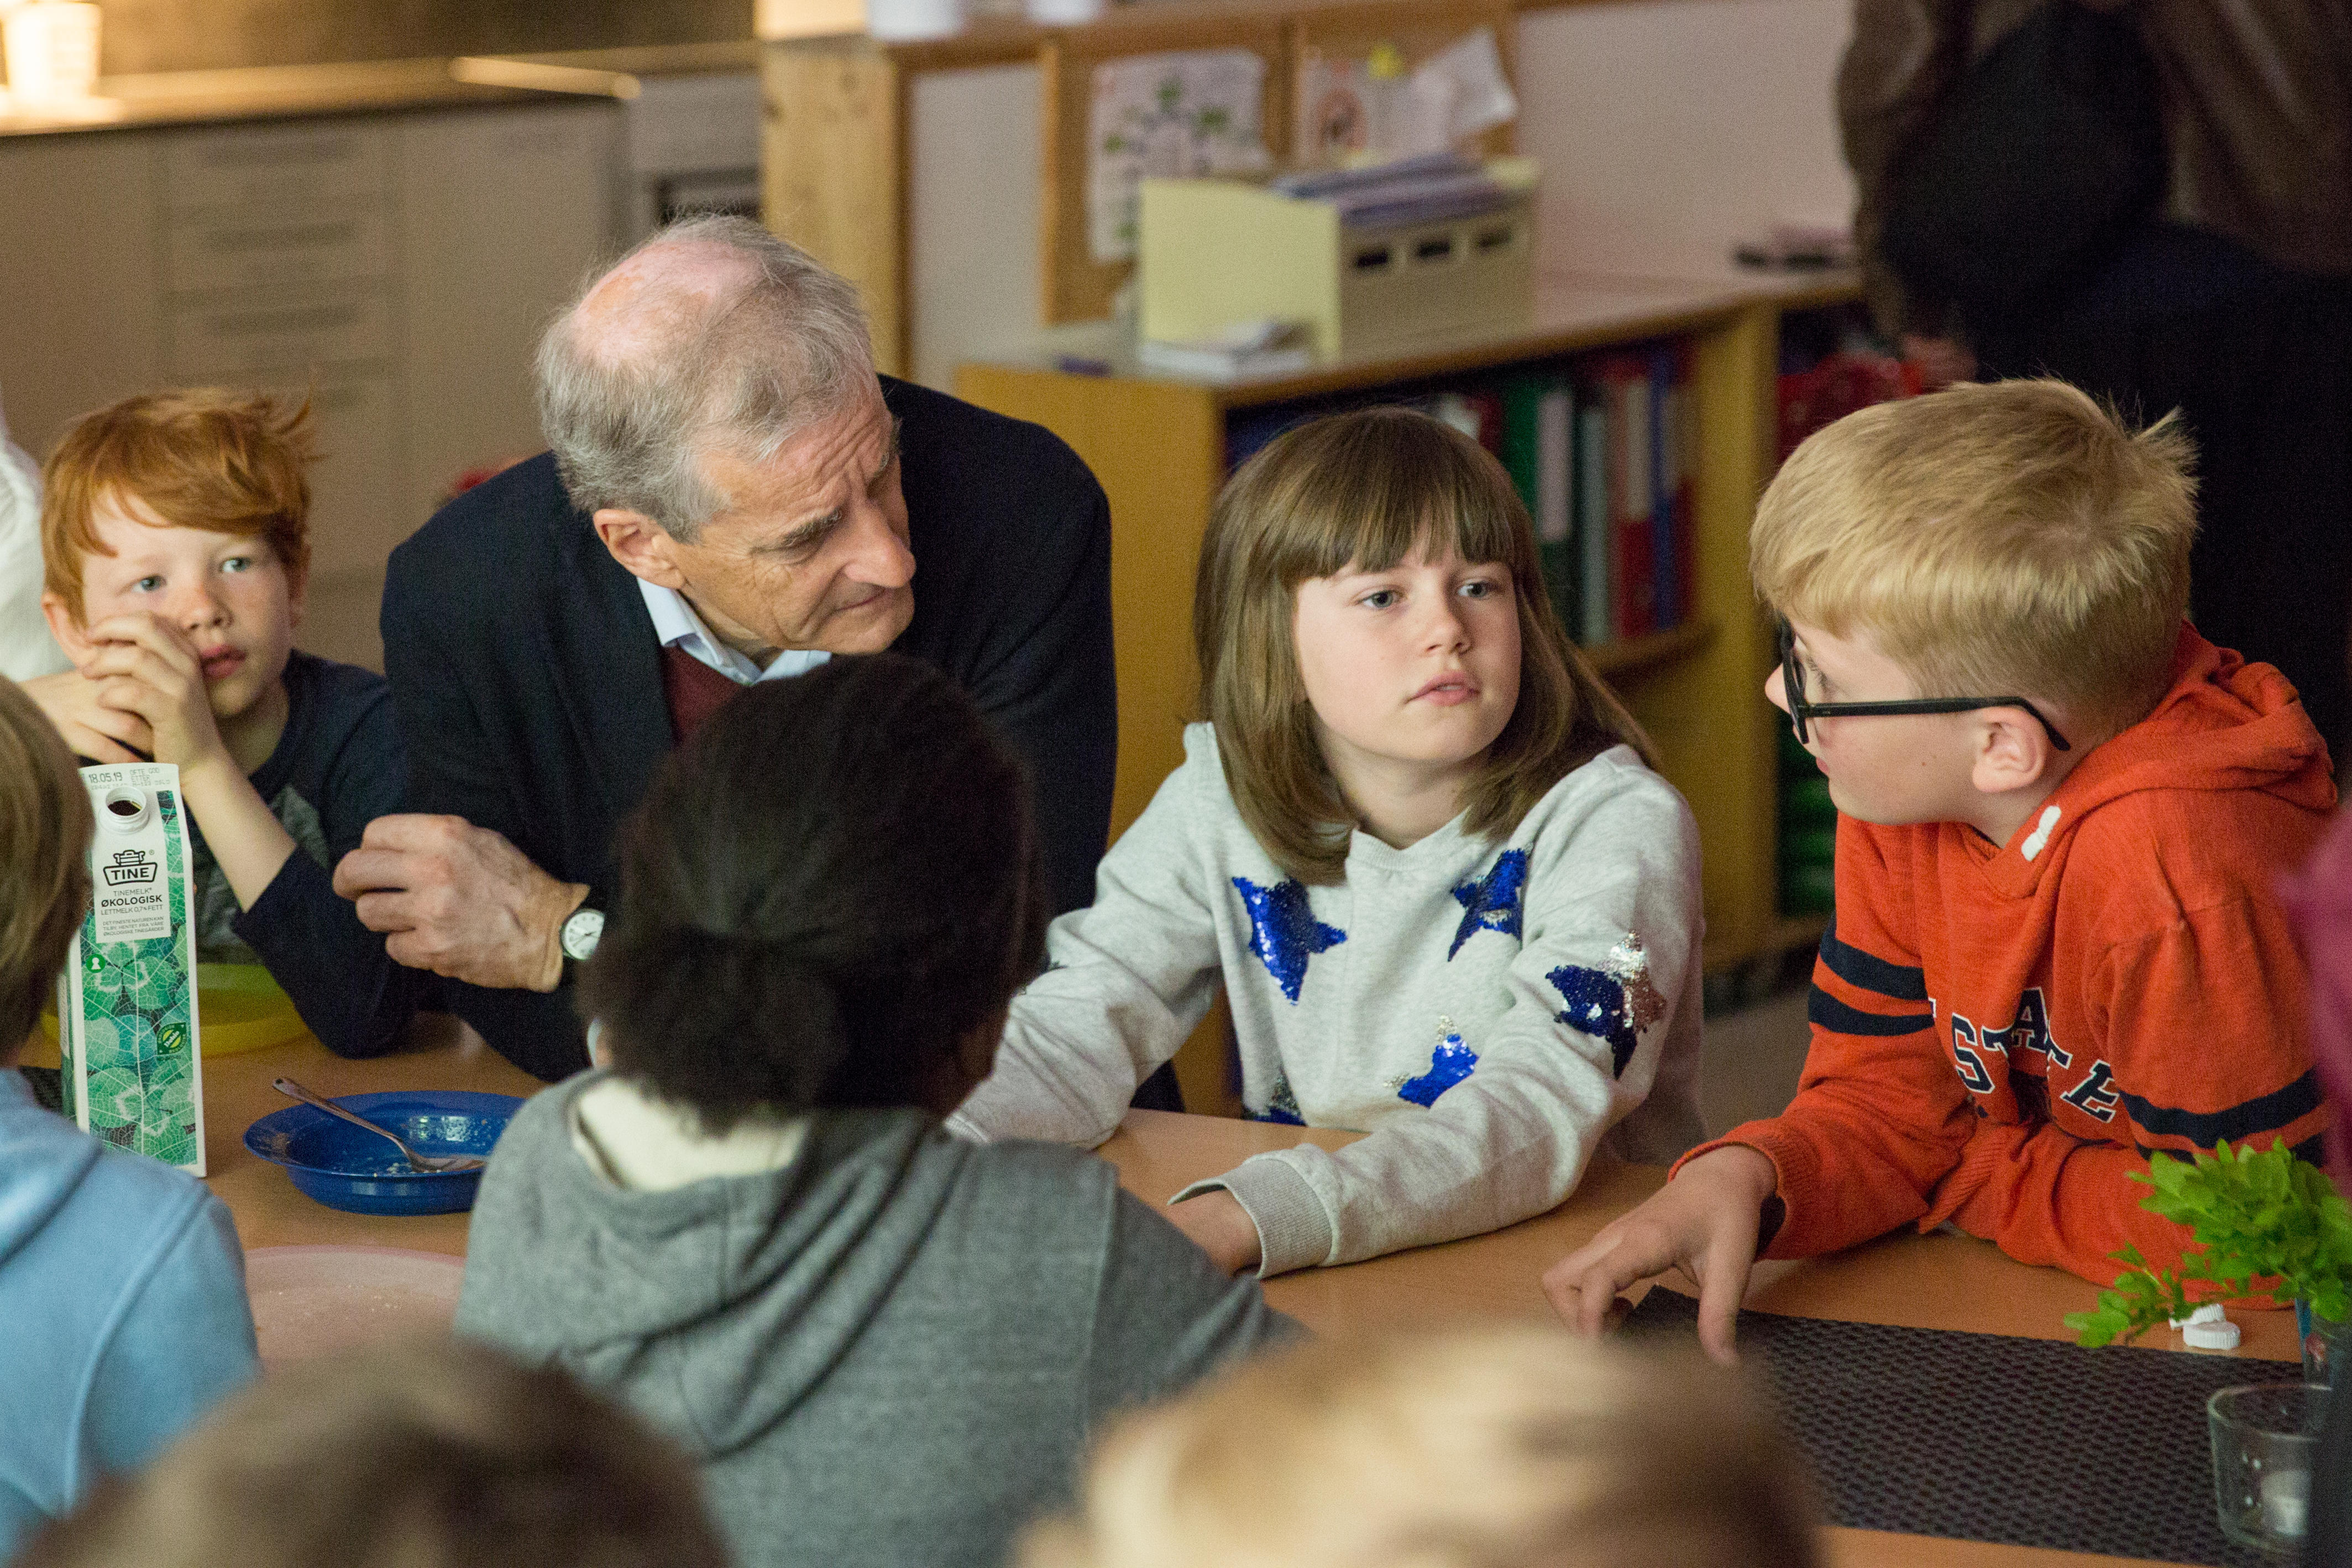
(1841, 384)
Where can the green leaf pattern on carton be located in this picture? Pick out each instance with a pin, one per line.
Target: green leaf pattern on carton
(2266, 1224)
(136, 1001)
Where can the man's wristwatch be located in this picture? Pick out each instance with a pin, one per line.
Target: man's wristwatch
(581, 933)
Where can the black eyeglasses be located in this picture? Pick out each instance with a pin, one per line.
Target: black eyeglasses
(1793, 686)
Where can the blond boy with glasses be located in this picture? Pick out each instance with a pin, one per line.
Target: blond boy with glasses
(2061, 816)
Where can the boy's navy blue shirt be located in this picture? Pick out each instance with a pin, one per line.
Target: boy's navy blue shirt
(337, 768)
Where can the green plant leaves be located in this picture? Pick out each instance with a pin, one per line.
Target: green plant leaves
(2264, 1223)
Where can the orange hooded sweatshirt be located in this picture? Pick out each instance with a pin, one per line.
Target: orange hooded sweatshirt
(2001, 1031)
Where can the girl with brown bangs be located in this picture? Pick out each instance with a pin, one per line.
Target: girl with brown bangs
(1420, 846)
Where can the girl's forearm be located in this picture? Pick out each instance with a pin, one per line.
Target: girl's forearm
(246, 840)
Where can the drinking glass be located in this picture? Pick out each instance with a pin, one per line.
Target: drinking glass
(2263, 1436)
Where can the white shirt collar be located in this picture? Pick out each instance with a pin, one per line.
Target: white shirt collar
(676, 625)
(642, 1142)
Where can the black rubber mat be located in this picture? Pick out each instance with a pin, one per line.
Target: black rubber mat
(1981, 1437)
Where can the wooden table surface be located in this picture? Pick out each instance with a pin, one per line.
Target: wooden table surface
(1941, 1281)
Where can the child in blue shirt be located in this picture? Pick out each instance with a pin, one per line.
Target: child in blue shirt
(121, 1284)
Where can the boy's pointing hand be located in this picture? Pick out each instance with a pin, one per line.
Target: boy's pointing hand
(1704, 1223)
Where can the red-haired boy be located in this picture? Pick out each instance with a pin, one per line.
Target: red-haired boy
(174, 544)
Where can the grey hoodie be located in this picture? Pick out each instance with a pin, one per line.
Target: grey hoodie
(892, 1351)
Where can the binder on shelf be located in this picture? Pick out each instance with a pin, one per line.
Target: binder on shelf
(1475, 412)
(1537, 419)
(1554, 511)
(1599, 615)
(1489, 406)
(1666, 574)
(1683, 473)
(1623, 383)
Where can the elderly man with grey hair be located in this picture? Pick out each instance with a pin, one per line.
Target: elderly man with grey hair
(732, 495)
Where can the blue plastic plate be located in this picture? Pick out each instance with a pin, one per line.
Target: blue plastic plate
(346, 1168)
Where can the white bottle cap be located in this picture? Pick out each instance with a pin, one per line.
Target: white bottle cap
(2210, 1312)
(2222, 1336)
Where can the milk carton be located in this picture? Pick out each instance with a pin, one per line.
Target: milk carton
(127, 1000)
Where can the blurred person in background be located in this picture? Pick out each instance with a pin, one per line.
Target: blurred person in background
(26, 649)
(2219, 283)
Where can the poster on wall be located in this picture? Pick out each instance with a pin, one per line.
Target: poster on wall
(1167, 116)
(1376, 107)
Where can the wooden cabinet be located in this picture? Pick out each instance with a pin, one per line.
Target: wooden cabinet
(81, 311)
(395, 268)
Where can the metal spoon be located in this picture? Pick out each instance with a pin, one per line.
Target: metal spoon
(428, 1163)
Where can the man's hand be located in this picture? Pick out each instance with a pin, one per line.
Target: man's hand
(460, 901)
(70, 700)
(147, 668)
(1220, 1226)
(1703, 1222)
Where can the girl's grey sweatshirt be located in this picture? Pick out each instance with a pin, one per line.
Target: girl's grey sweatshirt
(1490, 1012)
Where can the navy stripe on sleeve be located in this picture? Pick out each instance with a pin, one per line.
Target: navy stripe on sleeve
(2270, 1113)
(1832, 1014)
(1897, 982)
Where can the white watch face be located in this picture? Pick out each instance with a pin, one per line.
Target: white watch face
(583, 931)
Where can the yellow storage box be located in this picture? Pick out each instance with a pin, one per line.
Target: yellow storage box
(1217, 252)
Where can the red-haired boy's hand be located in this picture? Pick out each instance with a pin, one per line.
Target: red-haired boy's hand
(144, 666)
(72, 702)
(1703, 1222)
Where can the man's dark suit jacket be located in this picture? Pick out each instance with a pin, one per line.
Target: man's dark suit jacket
(527, 681)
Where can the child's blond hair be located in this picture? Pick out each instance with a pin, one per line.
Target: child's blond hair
(434, 1453)
(45, 827)
(1362, 491)
(2014, 536)
(1503, 1447)
(205, 458)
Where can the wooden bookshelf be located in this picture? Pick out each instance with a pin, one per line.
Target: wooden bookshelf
(1157, 443)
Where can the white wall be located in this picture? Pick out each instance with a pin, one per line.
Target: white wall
(1666, 129)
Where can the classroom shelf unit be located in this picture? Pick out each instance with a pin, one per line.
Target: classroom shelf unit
(1158, 443)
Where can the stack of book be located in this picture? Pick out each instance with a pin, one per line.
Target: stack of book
(1603, 451)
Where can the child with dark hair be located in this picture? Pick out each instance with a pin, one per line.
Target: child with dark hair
(422, 1454)
(886, 1346)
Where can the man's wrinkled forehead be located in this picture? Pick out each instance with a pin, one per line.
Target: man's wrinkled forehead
(816, 468)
